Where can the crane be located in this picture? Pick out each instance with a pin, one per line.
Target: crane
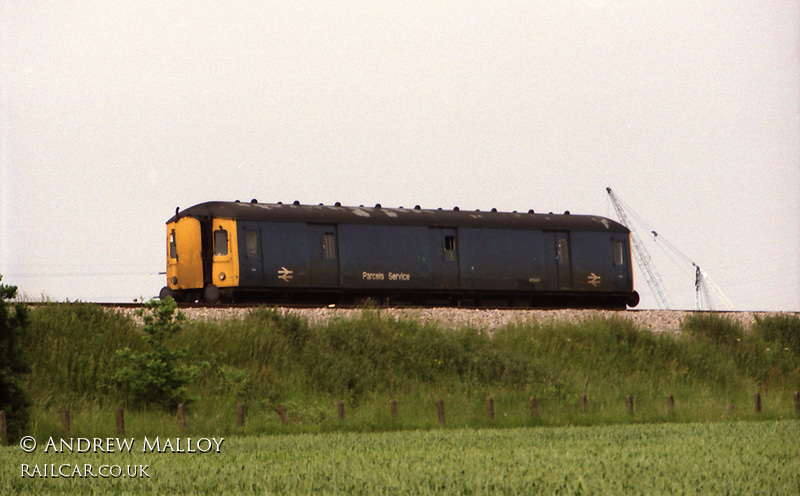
(705, 287)
(642, 256)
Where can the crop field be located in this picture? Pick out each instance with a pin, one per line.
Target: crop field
(747, 458)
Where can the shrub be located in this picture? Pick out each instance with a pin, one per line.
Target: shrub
(157, 376)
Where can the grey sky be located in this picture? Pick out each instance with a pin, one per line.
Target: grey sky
(114, 113)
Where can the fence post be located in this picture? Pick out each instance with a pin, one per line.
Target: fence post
(584, 403)
(182, 417)
(3, 429)
(490, 407)
(440, 410)
(534, 403)
(240, 414)
(340, 408)
(797, 402)
(282, 414)
(670, 404)
(65, 427)
(757, 401)
(629, 404)
(120, 416)
(393, 408)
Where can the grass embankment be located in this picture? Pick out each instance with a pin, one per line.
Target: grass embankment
(267, 359)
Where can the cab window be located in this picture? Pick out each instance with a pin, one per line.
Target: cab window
(619, 253)
(220, 242)
(173, 248)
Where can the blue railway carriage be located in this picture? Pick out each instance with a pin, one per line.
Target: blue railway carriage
(335, 254)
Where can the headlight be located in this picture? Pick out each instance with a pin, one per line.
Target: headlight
(174, 281)
(221, 276)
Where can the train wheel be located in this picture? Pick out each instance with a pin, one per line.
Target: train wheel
(633, 299)
(211, 294)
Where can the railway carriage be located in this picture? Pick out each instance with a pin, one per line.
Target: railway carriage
(335, 254)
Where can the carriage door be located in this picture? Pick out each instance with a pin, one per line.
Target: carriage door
(252, 266)
(563, 261)
(323, 250)
(444, 261)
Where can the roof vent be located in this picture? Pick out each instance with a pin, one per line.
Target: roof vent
(531, 211)
(566, 212)
(337, 204)
(253, 201)
(455, 209)
(296, 203)
(494, 210)
(377, 205)
(280, 203)
(417, 207)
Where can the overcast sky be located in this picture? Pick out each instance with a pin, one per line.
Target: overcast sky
(114, 113)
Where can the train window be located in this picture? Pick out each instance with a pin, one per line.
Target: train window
(619, 253)
(251, 238)
(563, 251)
(329, 245)
(173, 248)
(220, 242)
(450, 248)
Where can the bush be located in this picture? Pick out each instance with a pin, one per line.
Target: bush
(157, 376)
(13, 398)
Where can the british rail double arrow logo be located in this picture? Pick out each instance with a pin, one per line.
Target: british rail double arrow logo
(285, 274)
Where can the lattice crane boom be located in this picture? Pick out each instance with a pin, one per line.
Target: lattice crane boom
(642, 256)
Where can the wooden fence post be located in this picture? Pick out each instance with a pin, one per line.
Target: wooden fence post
(490, 407)
(440, 410)
(629, 404)
(3, 428)
(340, 408)
(534, 404)
(283, 415)
(182, 417)
(797, 402)
(670, 404)
(757, 401)
(240, 414)
(393, 408)
(65, 427)
(584, 402)
(120, 416)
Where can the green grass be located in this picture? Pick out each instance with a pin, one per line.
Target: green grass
(747, 458)
(268, 359)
